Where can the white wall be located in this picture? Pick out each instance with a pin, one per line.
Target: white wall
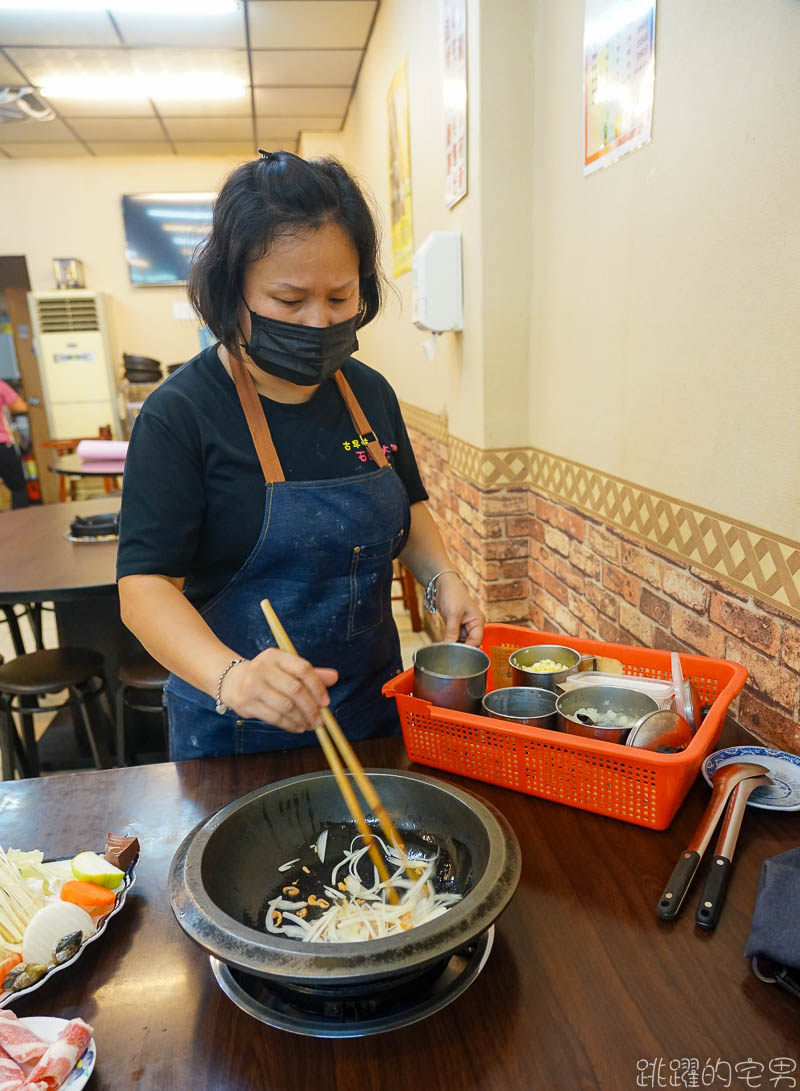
(452, 384)
(666, 316)
(72, 208)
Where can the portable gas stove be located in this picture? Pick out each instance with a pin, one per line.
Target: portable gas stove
(355, 1011)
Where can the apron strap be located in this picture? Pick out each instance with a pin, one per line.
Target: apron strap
(359, 420)
(259, 429)
(256, 422)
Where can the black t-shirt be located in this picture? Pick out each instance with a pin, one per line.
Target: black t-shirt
(193, 490)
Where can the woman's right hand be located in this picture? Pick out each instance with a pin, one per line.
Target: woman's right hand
(279, 688)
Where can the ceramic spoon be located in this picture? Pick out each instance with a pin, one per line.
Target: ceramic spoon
(724, 781)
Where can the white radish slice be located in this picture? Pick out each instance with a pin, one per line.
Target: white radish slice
(50, 924)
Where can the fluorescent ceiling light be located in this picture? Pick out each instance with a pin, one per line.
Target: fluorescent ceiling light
(189, 88)
(137, 7)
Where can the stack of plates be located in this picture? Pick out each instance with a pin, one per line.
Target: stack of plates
(141, 369)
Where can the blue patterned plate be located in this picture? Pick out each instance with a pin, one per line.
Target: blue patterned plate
(784, 769)
(48, 1028)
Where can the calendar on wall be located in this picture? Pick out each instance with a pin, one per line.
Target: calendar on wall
(619, 79)
(454, 89)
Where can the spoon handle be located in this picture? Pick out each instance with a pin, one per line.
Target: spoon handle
(680, 880)
(713, 896)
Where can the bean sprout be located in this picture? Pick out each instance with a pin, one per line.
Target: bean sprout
(360, 912)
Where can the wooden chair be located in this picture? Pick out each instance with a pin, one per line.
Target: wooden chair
(408, 594)
(68, 447)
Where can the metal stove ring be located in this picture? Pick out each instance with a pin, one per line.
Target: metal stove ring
(461, 969)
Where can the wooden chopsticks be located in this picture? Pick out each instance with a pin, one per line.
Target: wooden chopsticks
(327, 739)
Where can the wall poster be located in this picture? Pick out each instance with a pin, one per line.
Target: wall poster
(619, 79)
(400, 172)
(454, 90)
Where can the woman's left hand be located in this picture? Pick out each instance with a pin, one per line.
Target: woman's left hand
(462, 617)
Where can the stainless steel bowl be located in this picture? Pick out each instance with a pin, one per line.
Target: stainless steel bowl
(523, 660)
(629, 702)
(664, 731)
(223, 872)
(451, 676)
(523, 705)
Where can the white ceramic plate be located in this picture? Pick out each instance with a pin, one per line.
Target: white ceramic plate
(48, 1028)
(7, 998)
(784, 769)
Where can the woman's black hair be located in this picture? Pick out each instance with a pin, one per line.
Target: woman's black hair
(277, 194)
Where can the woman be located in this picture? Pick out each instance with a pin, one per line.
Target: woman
(273, 465)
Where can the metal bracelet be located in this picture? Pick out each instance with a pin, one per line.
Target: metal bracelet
(220, 706)
(430, 590)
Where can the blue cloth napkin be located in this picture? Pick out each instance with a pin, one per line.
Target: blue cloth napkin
(775, 928)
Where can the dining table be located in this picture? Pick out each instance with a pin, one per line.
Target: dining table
(584, 988)
(40, 564)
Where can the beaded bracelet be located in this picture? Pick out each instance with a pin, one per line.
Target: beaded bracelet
(430, 590)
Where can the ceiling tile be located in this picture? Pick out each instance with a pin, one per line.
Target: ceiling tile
(310, 24)
(305, 67)
(222, 31)
(286, 101)
(45, 151)
(9, 76)
(272, 129)
(240, 149)
(117, 129)
(233, 108)
(70, 108)
(209, 128)
(39, 64)
(132, 147)
(57, 28)
(33, 132)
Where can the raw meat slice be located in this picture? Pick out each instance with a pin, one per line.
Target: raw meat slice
(19, 1042)
(61, 1057)
(11, 1075)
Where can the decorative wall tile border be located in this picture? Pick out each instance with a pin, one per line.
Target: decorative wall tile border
(765, 565)
(432, 424)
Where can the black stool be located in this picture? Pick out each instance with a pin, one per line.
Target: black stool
(27, 678)
(140, 672)
(31, 610)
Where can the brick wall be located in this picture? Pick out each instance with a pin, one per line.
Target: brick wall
(534, 561)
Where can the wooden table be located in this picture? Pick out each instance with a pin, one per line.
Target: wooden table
(71, 466)
(584, 985)
(39, 564)
(74, 466)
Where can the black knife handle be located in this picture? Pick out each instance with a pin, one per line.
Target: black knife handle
(669, 903)
(713, 895)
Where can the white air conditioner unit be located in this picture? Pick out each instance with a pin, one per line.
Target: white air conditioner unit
(72, 346)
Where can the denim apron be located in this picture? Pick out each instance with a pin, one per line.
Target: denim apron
(324, 560)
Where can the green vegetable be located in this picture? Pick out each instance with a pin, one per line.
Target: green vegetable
(91, 868)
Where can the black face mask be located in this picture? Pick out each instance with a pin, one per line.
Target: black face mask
(305, 355)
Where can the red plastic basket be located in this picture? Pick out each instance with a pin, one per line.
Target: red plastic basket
(636, 786)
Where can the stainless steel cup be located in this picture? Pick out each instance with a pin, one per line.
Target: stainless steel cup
(523, 660)
(451, 676)
(630, 702)
(523, 705)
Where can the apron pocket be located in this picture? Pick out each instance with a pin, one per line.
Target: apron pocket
(370, 580)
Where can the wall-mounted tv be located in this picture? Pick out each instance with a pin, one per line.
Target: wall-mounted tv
(162, 232)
